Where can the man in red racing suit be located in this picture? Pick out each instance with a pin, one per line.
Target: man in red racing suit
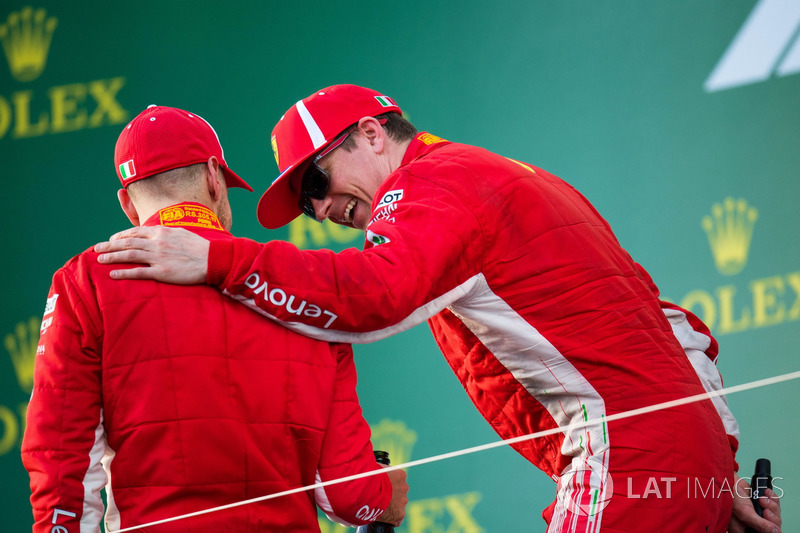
(177, 399)
(542, 315)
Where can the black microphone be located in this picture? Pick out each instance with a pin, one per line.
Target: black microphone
(761, 481)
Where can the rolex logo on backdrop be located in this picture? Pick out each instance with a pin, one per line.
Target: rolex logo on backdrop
(730, 228)
(394, 437)
(21, 346)
(741, 304)
(28, 37)
(26, 41)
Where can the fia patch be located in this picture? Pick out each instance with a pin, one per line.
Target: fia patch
(196, 216)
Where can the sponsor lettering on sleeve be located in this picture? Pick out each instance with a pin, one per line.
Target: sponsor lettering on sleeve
(280, 298)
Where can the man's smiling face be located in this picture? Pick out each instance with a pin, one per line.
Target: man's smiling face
(354, 178)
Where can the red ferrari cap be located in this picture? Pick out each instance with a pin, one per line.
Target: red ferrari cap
(304, 131)
(164, 138)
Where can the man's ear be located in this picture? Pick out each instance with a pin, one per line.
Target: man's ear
(373, 132)
(127, 206)
(213, 176)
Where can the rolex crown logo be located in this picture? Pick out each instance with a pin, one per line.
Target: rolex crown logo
(396, 438)
(26, 41)
(730, 228)
(22, 346)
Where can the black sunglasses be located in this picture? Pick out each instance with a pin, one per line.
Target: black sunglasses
(316, 181)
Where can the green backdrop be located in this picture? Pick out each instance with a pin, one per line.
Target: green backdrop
(679, 120)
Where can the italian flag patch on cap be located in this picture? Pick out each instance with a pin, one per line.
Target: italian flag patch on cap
(127, 170)
(385, 101)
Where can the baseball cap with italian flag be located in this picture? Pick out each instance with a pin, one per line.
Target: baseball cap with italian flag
(164, 138)
(305, 130)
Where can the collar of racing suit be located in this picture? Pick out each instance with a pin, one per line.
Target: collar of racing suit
(186, 214)
(423, 143)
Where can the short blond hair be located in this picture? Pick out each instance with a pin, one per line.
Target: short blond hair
(181, 182)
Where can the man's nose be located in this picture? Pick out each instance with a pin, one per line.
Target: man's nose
(322, 208)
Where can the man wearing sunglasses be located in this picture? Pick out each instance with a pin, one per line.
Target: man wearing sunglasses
(545, 319)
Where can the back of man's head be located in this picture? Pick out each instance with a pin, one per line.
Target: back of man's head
(162, 139)
(182, 184)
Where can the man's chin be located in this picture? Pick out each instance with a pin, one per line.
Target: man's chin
(347, 224)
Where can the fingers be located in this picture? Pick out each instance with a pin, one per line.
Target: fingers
(137, 237)
(744, 514)
(139, 231)
(173, 255)
(127, 250)
(768, 528)
(134, 273)
(397, 507)
(771, 505)
(130, 243)
(769, 524)
(775, 520)
(126, 256)
(770, 500)
(133, 245)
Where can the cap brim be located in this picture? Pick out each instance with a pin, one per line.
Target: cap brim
(279, 204)
(233, 180)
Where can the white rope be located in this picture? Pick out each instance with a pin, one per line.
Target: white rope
(595, 421)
